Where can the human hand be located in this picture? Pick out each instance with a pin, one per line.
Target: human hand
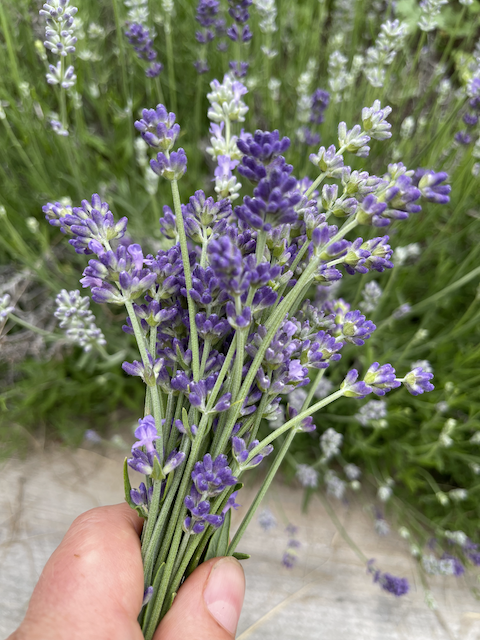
(92, 588)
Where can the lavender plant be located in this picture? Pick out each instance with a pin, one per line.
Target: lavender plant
(222, 320)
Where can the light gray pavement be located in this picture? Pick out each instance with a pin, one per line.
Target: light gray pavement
(326, 596)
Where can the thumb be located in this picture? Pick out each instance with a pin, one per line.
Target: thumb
(208, 605)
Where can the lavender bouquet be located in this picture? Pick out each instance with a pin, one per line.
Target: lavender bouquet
(222, 319)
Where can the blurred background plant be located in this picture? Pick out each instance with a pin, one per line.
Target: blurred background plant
(67, 109)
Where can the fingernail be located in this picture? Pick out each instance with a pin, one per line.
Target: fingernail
(224, 593)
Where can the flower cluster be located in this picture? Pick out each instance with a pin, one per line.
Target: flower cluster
(224, 333)
(239, 31)
(141, 39)
(210, 24)
(389, 42)
(6, 308)
(227, 106)
(392, 584)
(60, 40)
(78, 321)
(210, 479)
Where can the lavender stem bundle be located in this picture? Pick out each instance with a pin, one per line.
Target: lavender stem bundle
(222, 319)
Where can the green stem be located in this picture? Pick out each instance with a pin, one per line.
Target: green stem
(171, 68)
(312, 389)
(31, 327)
(294, 422)
(152, 517)
(315, 184)
(261, 494)
(188, 280)
(10, 50)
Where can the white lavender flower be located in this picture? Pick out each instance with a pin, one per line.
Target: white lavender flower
(226, 100)
(429, 13)
(266, 519)
(6, 308)
(274, 85)
(352, 471)
(268, 15)
(304, 93)
(338, 77)
(382, 528)
(330, 443)
(296, 398)
(442, 498)
(458, 495)
(335, 486)
(407, 128)
(390, 40)
(458, 537)
(307, 476)
(60, 39)
(323, 389)
(385, 491)
(371, 295)
(78, 321)
(276, 418)
(137, 11)
(372, 410)
(402, 311)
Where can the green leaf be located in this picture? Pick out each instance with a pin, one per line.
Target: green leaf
(219, 542)
(240, 556)
(157, 473)
(127, 486)
(186, 424)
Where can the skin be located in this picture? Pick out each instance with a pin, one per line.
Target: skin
(92, 587)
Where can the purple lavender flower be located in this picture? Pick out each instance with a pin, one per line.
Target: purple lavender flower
(463, 137)
(139, 37)
(201, 67)
(199, 392)
(93, 221)
(212, 477)
(238, 68)
(380, 254)
(431, 187)
(290, 556)
(381, 378)
(263, 146)
(396, 586)
(356, 329)
(370, 211)
(457, 566)
(172, 167)
(417, 381)
(241, 452)
(144, 452)
(320, 102)
(158, 128)
(352, 388)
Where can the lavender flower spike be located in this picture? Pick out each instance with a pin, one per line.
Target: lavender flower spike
(374, 121)
(353, 389)
(5, 307)
(381, 378)
(158, 128)
(417, 381)
(170, 167)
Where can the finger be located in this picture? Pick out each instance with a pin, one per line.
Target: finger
(208, 605)
(92, 586)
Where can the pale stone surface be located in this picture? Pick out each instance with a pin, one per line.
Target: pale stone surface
(326, 595)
